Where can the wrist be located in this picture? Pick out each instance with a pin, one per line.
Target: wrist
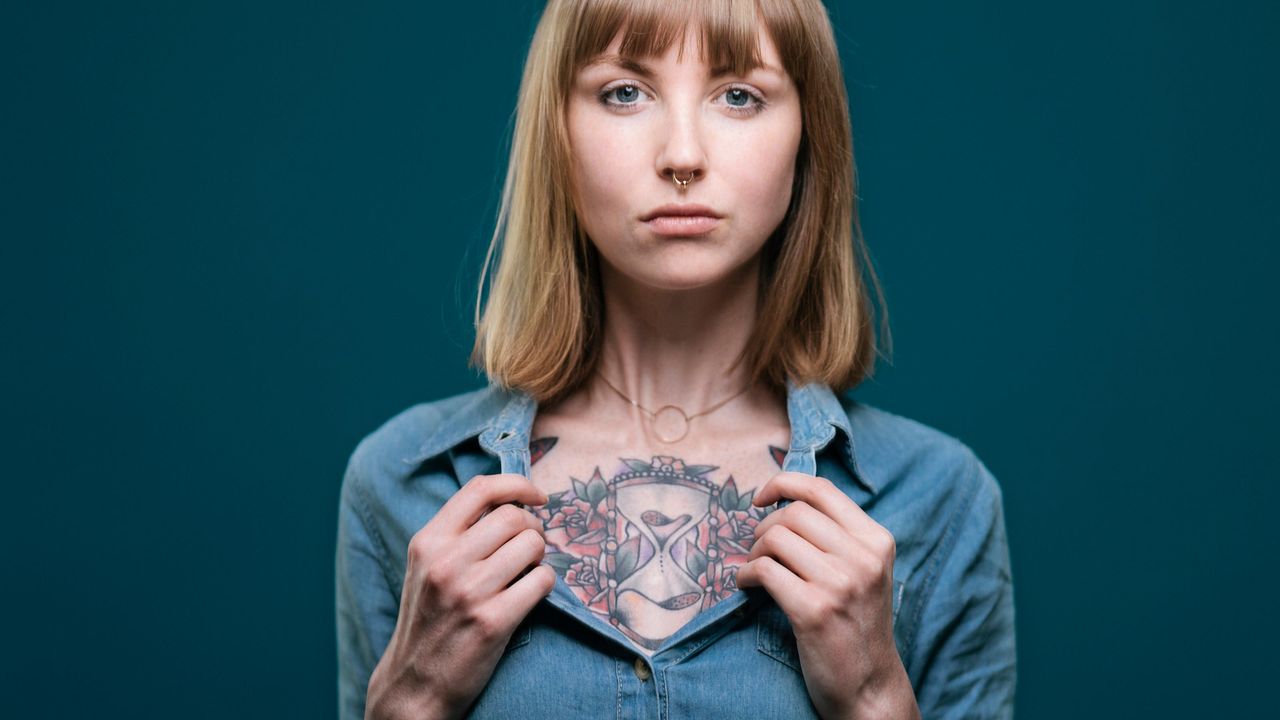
(406, 706)
(404, 700)
(888, 698)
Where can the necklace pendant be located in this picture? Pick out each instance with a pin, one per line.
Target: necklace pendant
(670, 424)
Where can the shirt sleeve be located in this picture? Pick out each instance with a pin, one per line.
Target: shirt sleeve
(366, 608)
(964, 659)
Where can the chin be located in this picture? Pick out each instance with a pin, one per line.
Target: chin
(681, 265)
(684, 276)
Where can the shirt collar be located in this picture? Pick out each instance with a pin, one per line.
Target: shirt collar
(816, 414)
(502, 418)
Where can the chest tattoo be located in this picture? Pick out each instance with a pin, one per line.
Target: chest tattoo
(650, 544)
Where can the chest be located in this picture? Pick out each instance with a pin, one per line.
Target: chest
(647, 539)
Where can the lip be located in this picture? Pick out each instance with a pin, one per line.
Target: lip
(679, 211)
(681, 220)
(682, 225)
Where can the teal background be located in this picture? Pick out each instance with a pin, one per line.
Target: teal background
(239, 236)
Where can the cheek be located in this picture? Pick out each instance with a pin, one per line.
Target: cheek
(761, 167)
(763, 182)
(599, 201)
(602, 163)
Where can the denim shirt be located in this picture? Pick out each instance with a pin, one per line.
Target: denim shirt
(952, 590)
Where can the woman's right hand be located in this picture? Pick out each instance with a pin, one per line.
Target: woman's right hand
(456, 609)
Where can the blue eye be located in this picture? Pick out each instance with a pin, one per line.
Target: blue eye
(740, 100)
(743, 94)
(632, 92)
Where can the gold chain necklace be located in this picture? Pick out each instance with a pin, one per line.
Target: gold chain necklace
(673, 415)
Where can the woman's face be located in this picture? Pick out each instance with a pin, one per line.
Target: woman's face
(629, 130)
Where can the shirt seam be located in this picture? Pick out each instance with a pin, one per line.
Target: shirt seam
(950, 540)
(364, 514)
(617, 695)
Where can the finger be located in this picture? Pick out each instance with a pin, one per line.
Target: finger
(480, 494)
(515, 602)
(517, 554)
(782, 585)
(809, 523)
(490, 532)
(797, 554)
(819, 492)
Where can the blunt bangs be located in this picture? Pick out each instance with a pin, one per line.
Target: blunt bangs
(727, 34)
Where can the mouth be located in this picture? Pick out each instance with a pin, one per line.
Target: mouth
(681, 220)
(682, 225)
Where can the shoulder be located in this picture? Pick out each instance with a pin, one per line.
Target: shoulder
(914, 461)
(399, 476)
(404, 434)
(390, 454)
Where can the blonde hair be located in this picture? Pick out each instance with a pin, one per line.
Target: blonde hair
(541, 328)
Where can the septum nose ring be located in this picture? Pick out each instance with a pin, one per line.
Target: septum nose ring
(682, 184)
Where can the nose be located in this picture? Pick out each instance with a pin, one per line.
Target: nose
(683, 155)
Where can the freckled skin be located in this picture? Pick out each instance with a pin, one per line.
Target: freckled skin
(627, 132)
(650, 544)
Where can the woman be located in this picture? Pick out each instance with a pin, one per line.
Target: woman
(674, 321)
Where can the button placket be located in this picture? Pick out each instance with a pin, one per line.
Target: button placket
(642, 669)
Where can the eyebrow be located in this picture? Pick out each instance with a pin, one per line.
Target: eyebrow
(636, 66)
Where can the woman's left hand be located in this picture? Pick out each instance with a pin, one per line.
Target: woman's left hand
(829, 567)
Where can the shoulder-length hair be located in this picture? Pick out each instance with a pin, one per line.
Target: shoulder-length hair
(541, 328)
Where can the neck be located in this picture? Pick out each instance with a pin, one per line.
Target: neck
(675, 347)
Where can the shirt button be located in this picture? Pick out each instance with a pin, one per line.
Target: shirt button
(642, 670)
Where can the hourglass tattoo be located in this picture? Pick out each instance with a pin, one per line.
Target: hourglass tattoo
(652, 546)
